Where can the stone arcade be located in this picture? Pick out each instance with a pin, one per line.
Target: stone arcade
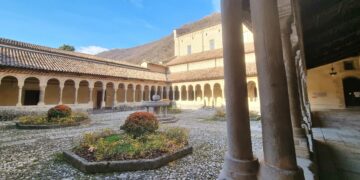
(274, 56)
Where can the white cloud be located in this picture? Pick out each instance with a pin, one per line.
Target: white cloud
(216, 5)
(92, 50)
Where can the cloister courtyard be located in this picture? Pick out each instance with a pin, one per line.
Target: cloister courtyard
(28, 154)
(294, 65)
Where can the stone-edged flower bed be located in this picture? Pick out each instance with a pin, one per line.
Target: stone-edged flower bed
(139, 147)
(125, 165)
(49, 125)
(57, 117)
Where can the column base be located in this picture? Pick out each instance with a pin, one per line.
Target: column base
(270, 172)
(18, 105)
(301, 143)
(239, 169)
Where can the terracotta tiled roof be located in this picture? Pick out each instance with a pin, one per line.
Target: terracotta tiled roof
(207, 74)
(28, 56)
(207, 55)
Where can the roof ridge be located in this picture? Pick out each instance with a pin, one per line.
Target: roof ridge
(36, 47)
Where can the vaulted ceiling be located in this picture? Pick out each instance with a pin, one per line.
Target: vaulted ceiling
(331, 30)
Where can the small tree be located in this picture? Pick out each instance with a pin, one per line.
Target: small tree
(66, 47)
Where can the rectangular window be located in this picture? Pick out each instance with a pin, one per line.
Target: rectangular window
(349, 65)
(212, 44)
(189, 49)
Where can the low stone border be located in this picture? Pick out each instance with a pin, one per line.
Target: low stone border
(167, 120)
(121, 166)
(52, 126)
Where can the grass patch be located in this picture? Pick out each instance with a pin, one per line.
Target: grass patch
(59, 158)
(107, 145)
(220, 115)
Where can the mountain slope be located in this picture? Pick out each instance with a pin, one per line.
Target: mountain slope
(157, 51)
(163, 49)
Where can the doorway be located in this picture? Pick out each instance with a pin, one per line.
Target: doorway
(352, 91)
(31, 97)
(99, 99)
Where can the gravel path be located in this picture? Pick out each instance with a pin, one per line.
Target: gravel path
(29, 154)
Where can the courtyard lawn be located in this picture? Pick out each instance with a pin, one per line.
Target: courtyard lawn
(29, 154)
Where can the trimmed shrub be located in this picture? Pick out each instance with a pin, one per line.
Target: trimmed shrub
(59, 111)
(140, 123)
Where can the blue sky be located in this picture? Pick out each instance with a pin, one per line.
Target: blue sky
(95, 25)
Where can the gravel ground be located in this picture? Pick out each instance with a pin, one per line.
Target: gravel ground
(29, 154)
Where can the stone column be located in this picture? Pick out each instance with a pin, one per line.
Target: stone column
(162, 93)
(61, 93)
(300, 139)
(279, 152)
(134, 94)
(42, 95)
(115, 102)
(142, 94)
(125, 93)
(194, 94)
(173, 88)
(103, 100)
(180, 94)
(213, 96)
(91, 102)
(168, 92)
(21, 85)
(223, 94)
(203, 95)
(240, 162)
(186, 94)
(76, 93)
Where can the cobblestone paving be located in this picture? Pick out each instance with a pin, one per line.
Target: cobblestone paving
(29, 154)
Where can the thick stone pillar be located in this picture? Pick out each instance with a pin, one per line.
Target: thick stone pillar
(240, 162)
(21, 85)
(300, 139)
(42, 95)
(279, 152)
(194, 94)
(180, 94)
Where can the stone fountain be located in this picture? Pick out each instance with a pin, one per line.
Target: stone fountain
(160, 109)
